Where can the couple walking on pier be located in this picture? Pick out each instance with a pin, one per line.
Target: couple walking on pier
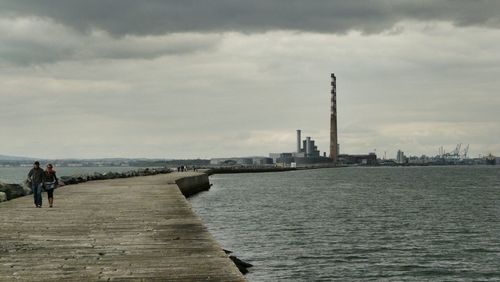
(45, 179)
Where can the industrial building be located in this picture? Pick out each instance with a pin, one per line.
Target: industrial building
(248, 161)
(401, 158)
(282, 158)
(306, 148)
(306, 153)
(370, 159)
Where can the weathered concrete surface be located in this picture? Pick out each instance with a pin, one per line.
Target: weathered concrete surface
(124, 229)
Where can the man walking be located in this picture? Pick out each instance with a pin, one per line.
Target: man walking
(36, 176)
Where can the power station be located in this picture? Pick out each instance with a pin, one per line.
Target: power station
(306, 151)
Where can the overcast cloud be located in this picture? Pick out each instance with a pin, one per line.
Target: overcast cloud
(185, 79)
(162, 16)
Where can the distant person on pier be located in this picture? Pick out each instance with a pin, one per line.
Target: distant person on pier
(36, 177)
(51, 183)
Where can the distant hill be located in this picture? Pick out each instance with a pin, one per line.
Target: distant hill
(13, 158)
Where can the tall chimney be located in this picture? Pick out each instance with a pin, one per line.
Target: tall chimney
(308, 146)
(298, 140)
(333, 121)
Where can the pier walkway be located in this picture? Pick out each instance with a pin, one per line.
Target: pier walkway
(139, 228)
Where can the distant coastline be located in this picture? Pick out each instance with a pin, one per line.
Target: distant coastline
(241, 165)
(103, 162)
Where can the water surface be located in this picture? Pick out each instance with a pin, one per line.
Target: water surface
(359, 224)
(19, 174)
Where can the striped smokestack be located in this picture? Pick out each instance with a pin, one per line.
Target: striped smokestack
(298, 141)
(333, 121)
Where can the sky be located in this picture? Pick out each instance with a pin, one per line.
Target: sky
(222, 78)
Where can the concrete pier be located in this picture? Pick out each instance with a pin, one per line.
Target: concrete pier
(134, 229)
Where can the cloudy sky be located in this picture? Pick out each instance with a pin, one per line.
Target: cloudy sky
(187, 79)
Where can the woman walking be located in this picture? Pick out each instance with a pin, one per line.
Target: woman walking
(51, 182)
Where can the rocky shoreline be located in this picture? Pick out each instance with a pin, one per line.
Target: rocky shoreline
(12, 191)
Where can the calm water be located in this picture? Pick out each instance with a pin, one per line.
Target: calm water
(18, 174)
(359, 224)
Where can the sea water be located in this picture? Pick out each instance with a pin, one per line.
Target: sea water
(360, 224)
(18, 174)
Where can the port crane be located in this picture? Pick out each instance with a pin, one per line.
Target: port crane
(466, 152)
(455, 155)
(456, 152)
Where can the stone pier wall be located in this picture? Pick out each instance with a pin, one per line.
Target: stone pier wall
(193, 184)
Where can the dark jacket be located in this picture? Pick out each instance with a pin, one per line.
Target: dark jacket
(50, 177)
(36, 175)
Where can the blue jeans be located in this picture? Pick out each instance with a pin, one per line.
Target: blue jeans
(37, 193)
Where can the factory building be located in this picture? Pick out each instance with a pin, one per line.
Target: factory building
(306, 153)
(306, 148)
(249, 161)
(370, 159)
(282, 158)
(401, 158)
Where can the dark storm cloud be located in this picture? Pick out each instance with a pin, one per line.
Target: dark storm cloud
(27, 41)
(160, 16)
